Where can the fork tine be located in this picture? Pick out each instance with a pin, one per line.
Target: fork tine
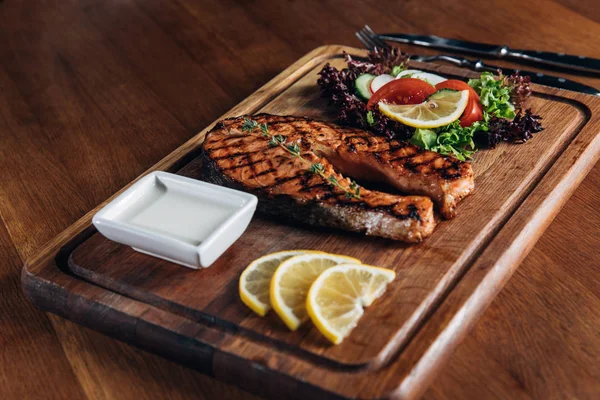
(375, 38)
(369, 39)
(363, 41)
(367, 36)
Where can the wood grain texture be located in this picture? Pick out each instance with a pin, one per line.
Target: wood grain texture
(19, 319)
(65, 148)
(521, 189)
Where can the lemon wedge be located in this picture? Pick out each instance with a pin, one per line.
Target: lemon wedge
(256, 279)
(291, 282)
(441, 108)
(336, 299)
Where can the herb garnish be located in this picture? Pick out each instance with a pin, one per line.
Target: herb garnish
(249, 125)
(353, 192)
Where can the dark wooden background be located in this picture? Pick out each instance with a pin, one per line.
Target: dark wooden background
(94, 92)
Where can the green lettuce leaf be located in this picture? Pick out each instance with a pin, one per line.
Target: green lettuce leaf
(494, 95)
(451, 139)
(397, 69)
(425, 138)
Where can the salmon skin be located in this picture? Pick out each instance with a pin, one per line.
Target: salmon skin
(287, 188)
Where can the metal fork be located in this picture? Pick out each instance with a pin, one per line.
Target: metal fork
(371, 41)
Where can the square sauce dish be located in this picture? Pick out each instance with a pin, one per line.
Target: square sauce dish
(178, 219)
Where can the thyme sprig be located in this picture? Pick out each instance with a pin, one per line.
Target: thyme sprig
(249, 125)
(353, 192)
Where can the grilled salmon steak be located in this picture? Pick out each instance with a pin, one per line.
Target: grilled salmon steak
(307, 184)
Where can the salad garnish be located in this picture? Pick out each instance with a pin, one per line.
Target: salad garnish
(495, 111)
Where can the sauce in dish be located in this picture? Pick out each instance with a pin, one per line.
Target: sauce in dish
(178, 219)
(175, 213)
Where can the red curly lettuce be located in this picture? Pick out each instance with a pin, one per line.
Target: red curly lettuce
(338, 87)
(504, 117)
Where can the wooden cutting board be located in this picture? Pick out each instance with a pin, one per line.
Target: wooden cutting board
(442, 286)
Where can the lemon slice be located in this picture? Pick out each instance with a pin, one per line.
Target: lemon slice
(291, 282)
(256, 279)
(441, 108)
(336, 299)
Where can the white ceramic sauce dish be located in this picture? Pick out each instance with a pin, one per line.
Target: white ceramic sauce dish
(182, 220)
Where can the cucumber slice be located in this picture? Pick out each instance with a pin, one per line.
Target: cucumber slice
(363, 85)
(439, 93)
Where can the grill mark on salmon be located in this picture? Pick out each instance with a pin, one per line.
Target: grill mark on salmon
(402, 165)
(244, 160)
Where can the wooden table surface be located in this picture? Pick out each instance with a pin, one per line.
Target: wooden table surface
(94, 92)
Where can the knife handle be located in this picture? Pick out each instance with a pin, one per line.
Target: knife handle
(581, 63)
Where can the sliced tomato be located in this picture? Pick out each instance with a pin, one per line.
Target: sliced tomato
(474, 110)
(473, 113)
(402, 91)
